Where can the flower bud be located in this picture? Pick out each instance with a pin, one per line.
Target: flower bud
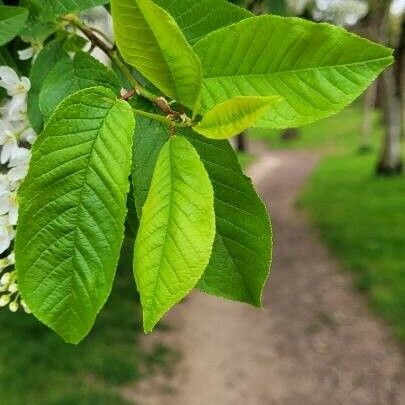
(4, 300)
(5, 279)
(13, 288)
(13, 306)
(25, 307)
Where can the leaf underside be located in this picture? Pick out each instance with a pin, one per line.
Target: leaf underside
(176, 232)
(318, 69)
(72, 211)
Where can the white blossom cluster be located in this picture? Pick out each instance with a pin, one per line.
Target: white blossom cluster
(340, 12)
(347, 12)
(16, 138)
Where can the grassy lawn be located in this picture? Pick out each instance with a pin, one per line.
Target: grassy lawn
(37, 368)
(360, 216)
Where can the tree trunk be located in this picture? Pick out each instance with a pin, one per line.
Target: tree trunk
(241, 142)
(369, 106)
(390, 162)
(290, 134)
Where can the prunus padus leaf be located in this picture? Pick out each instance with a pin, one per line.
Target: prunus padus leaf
(55, 8)
(149, 138)
(241, 255)
(12, 21)
(240, 260)
(176, 232)
(235, 115)
(71, 75)
(318, 69)
(197, 19)
(72, 211)
(150, 40)
(52, 53)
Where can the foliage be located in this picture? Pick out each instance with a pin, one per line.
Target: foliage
(185, 67)
(36, 367)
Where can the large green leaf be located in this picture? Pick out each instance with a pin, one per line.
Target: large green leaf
(45, 61)
(54, 8)
(233, 116)
(240, 261)
(70, 75)
(149, 138)
(12, 21)
(177, 230)
(150, 40)
(197, 19)
(317, 68)
(72, 211)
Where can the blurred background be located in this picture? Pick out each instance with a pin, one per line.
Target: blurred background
(333, 328)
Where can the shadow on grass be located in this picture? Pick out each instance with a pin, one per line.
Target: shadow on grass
(37, 367)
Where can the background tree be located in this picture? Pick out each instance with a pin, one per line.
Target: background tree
(389, 31)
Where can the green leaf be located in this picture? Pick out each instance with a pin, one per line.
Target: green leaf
(72, 211)
(197, 19)
(69, 76)
(177, 230)
(55, 8)
(75, 43)
(233, 116)
(12, 21)
(150, 40)
(317, 68)
(241, 256)
(46, 59)
(149, 138)
(240, 260)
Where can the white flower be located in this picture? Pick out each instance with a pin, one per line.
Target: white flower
(12, 83)
(19, 165)
(4, 183)
(8, 142)
(9, 206)
(7, 233)
(28, 135)
(26, 54)
(16, 88)
(16, 116)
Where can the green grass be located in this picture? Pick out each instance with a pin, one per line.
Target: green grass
(340, 133)
(362, 219)
(38, 368)
(360, 216)
(245, 159)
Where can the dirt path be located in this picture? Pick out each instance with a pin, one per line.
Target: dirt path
(315, 343)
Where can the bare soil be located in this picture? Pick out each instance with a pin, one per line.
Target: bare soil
(315, 343)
